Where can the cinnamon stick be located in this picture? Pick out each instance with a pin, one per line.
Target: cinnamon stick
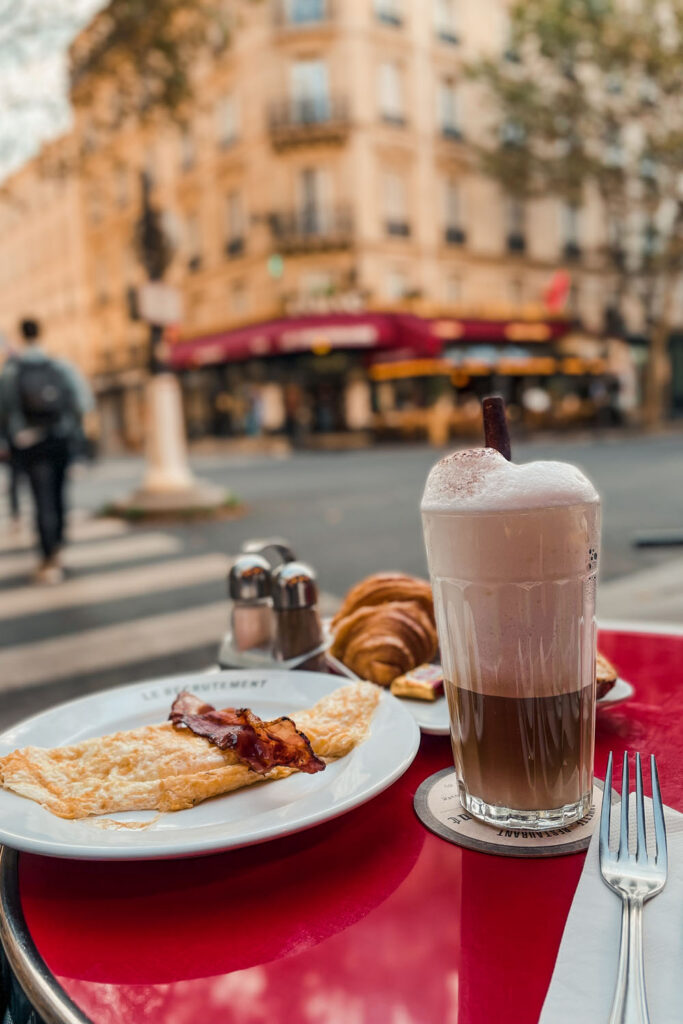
(496, 433)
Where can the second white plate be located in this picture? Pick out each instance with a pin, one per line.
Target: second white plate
(432, 717)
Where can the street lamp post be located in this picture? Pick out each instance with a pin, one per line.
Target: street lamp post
(168, 485)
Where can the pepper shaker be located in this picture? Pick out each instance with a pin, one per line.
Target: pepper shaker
(249, 586)
(298, 629)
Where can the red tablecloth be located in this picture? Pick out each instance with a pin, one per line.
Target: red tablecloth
(367, 919)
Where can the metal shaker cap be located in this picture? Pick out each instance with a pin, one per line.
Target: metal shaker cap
(276, 550)
(249, 578)
(294, 586)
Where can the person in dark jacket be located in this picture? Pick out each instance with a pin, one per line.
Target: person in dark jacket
(42, 404)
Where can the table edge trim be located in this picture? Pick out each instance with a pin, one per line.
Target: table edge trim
(37, 981)
(640, 626)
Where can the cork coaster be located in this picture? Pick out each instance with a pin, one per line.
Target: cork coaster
(438, 806)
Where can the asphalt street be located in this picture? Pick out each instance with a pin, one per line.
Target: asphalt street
(150, 601)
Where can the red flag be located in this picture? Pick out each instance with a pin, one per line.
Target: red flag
(556, 292)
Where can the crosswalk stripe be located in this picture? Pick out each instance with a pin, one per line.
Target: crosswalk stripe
(102, 553)
(112, 585)
(110, 647)
(78, 532)
(107, 647)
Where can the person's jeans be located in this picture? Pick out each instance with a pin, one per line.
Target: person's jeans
(45, 466)
(13, 487)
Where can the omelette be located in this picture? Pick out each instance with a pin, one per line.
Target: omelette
(165, 768)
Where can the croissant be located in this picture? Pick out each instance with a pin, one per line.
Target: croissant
(383, 587)
(380, 643)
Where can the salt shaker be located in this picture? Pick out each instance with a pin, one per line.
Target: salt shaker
(298, 629)
(249, 586)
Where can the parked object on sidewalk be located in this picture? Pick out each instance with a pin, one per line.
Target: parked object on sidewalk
(42, 403)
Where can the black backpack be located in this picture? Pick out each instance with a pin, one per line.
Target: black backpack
(44, 393)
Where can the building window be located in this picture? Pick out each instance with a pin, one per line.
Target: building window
(302, 12)
(310, 93)
(389, 12)
(390, 85)
(101, 282)
(94, 206)
(515, 216)
(444, 21)
(453, 231)
(188, 153)
(516, 292)
(235, 221)
(313, 186)
(316, 284)
(447, 109)
(648, 169)
(570, 231)
(453, 289)
(396, 285)
(512, 133)
(150, 164)
(239, 303)
(122, 183)
(227, 120)
(614, 151)
(395, 208)
(574, 300)
(193, 244)
(650, 241)
(615, 242)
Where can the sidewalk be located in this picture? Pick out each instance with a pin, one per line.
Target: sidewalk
(652, 595)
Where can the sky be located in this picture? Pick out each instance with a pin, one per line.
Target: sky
(34, 36)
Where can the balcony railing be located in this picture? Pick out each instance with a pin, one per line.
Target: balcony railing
(298, 122)
(312, 229)
(454, 235)
(388, 16)
(447, 35)
(293, 15)
(397, 228)
(516, 242)
(451, 131)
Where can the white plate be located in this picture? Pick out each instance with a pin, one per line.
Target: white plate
(432, 717)
(621, 691)
(252, 815)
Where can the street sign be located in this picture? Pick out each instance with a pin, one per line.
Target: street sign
(159, 303)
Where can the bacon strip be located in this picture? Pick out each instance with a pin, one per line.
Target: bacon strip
(260, 745)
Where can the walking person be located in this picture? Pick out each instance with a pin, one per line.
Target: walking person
(13, 481)
(42, 403)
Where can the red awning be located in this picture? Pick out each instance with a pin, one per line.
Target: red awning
(342, 331)
(399, 334)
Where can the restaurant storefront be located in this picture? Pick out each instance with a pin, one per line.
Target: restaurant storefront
(383, 374)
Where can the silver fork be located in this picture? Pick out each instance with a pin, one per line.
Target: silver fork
(636, 878)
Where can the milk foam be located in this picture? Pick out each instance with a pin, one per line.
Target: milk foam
(482, 480)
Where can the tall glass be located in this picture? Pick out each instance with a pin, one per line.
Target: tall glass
(514, 593)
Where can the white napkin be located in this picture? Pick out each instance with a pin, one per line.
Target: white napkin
(582, 986)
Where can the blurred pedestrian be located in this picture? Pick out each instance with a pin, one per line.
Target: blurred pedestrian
(42, 404)
(13, 481)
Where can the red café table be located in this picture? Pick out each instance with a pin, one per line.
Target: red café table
(368, 918)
